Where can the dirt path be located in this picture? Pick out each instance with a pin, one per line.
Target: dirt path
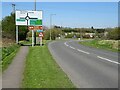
(12, 77)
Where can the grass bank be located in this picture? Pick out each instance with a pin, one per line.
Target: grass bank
(112, 45)
(8, 53)
(41, 70)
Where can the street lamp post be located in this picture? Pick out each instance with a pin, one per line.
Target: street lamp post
(51, 24)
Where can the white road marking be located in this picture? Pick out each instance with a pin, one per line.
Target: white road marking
(83, 51)
(66, 44)
(108, 60)
(72, 47)
(89, 53)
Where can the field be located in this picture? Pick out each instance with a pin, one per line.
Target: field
(42, 71)
(112, 45)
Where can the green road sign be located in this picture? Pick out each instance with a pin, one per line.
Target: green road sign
(21, 20)
(35, 22)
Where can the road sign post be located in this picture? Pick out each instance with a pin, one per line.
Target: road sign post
(32, 38)
(40, 41)
(17, 34)
(28, 18)
(40, 35)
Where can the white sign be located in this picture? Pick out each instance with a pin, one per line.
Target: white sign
(40, 34)
(30, 18)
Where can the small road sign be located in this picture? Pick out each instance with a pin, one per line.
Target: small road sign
(31, 27)
(35, 28)
(40, 34)
(39, 30)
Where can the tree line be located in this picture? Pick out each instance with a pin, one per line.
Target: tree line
(9, 28)
(9, 31)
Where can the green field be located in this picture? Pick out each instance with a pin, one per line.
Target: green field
(111, 45)
(41, 71)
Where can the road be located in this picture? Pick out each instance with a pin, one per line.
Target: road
(86, 67)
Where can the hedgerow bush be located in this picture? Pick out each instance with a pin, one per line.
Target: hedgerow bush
(6, 51)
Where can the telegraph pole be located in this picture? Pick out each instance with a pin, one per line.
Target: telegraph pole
(13, 5)
(51, 25)
(35, 5)
(17, 41)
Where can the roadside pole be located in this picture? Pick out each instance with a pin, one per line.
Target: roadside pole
(40, 41)
(32, 38)
(17, 34)
(35, 31)
(31, 19)
(41, 36)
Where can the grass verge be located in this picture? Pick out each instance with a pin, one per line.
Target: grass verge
(101, 44)
(41, 70)
(8, 54)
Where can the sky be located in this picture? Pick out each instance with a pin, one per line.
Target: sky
(71, 14)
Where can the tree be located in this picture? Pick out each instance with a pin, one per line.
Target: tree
(54, 33)
(8, 27)
(23, 30)
(114, 34)
(9, 30)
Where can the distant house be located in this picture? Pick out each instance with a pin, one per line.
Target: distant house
(90, 34)
(105, 33)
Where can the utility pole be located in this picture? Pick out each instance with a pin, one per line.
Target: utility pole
(13, 5)
(35, 31)
(81, 34)
(35, 5)
(17, 41)
(51, 24)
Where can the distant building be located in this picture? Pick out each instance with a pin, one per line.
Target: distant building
(90, 34)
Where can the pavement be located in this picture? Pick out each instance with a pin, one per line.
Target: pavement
(12, 77)
(86, 67)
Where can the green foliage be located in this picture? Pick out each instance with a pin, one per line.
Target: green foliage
(83, 30)
(23, 32)
(69, 36)
(114, 34)
(54, 34)
(8, 26)
(8, 54)
(77, 35)
(6, 51)
(86, 36)
(102, 44)
(41, 71)
(9, 30)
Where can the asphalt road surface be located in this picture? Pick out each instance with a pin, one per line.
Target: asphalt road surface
(86, 67)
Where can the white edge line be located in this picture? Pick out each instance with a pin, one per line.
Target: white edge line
(108, 60)
(83, 51)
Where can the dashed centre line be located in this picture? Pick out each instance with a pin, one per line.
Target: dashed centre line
(112, 61)
(83, 51)
(77, 49)
(108, 60)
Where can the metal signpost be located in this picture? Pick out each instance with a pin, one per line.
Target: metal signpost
(28, 18)
(17, 34)
(40, 35)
